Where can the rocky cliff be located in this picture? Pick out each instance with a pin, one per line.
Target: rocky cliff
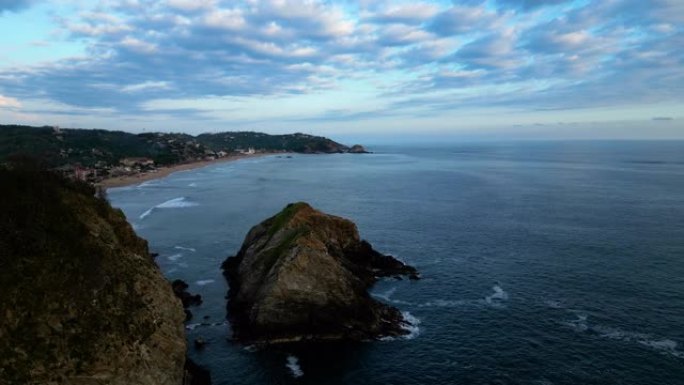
(305, 275)
(81, 300)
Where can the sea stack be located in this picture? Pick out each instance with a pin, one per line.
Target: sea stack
(358, 149)
(304, 275)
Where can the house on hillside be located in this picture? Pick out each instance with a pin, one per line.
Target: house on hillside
(137, 162)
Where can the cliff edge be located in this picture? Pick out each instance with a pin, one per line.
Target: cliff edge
(81, 300)
(304, 275)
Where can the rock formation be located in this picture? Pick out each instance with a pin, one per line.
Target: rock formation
(305, 275)
(180, 290)
(82, 301)
(357, 149)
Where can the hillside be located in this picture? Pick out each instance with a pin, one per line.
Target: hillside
(99, 148)
(82, 300)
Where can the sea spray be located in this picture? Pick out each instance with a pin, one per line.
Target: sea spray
(293, 364)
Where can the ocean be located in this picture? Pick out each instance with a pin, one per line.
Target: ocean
(542, 262)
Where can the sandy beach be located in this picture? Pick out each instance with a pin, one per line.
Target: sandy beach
(161, 172)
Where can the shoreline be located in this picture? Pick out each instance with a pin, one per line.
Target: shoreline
(128, 180)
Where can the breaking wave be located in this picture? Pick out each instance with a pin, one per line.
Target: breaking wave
(175, 203)
(293, 364)
(410, 325)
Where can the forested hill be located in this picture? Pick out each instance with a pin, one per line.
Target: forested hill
(87, 147)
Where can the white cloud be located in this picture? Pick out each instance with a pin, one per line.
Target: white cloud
(523, 51)
(8, 102)
(190, 5)
(231, 19)
(145, 86)
(405, 13)
(137, 45)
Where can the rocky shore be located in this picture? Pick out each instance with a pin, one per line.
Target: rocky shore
(304, 275)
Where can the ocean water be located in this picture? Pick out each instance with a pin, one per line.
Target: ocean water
(543, 262)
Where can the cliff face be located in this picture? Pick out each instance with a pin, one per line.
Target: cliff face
(81, 300)
(302, 275)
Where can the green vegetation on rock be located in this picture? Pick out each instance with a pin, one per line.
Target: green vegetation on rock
(87, 147)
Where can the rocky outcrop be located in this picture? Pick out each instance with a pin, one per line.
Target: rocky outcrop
(357, 149)
(180, 290)
(305, 275)
(82, 301)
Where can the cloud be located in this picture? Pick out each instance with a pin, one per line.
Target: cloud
(411, 13)
(7, 102)
(430, 56)
(530, 4)
(464, 19)
(14, 5)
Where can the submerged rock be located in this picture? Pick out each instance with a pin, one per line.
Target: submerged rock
(305, 275)
(82, 300)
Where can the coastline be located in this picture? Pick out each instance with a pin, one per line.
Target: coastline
(128, 180)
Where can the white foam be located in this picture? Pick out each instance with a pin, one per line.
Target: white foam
(204, 282)
(293, 365)
(665, 346)
(386, 296)
(175, 203)
(662, 345)
(175, 257)
(146, 213)
(185, 248)
(497, 297)
(145, 184)
(192, 184)
(410, 325)
(579, 324)
(251, 348)
(553, 304)
(192, 326)
(445, 303)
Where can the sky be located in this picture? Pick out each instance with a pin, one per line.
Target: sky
(469, 68)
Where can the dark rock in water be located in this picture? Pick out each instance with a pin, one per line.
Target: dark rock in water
(305, 275)
(82, 301)
(200, 342)
(180, 290)
(357, 149)
(196, 374)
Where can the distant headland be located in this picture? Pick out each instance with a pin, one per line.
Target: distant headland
(116, 158)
